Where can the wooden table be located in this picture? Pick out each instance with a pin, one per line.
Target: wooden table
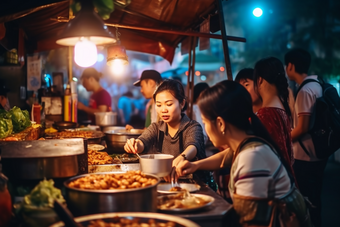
(214, 215)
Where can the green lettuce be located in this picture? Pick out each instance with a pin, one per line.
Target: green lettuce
(44, 194)
(6, 126)
(20, 119)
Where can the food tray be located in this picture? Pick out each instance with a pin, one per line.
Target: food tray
(207, 198)
(165, 187)
(142, 217)
(115, 168)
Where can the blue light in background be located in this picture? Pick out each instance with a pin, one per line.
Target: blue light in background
(100, 57)
(257, 12)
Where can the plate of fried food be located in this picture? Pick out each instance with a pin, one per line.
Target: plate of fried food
(183, 202)
(167, 188)
(96, 147)
(101, 158)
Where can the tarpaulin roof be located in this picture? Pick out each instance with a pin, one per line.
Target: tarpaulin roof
(34, 17)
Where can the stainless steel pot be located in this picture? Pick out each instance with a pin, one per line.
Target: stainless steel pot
(116, 139)
(83, 202)
(157, 164)
(143, 217)
(106, 118)
(40, 168)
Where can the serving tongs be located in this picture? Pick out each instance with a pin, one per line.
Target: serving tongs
(65, 215)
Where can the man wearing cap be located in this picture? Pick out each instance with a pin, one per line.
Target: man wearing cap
(148, 82)
(100, 99)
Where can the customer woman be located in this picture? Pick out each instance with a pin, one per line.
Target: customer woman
(271, 85)
(100, 99)
(175, 134)
(260, 183)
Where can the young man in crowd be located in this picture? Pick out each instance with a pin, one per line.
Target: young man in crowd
(307, 167)
(245, 78)
(148, 82)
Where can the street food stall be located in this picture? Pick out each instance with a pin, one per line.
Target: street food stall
(89, 165)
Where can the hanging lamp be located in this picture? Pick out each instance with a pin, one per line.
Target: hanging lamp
(116, 53)
(84, 32)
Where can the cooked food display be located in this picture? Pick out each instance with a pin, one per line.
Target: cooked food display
(176, 189)
(126, 157)
(135, 222)
(96, 147)
(80, 134)
(101, 158)
(128, 180)
(182, 200)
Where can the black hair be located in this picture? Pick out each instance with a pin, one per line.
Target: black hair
(198, 88)
(232, 102)
(175, 88)
(91, 72)
(300, 58)
(244, 74)
(271, 70)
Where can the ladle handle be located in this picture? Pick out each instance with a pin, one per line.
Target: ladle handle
(65, 215)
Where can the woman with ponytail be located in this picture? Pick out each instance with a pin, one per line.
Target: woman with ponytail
(261, 186)
(271, 85)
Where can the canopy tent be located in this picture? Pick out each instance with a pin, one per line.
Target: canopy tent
(39, 21)
(149, 26)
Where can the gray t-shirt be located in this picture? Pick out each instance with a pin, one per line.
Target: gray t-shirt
(189, 133)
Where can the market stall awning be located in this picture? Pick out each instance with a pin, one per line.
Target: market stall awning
(38, 20)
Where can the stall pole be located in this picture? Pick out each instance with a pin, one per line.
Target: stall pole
(191, 76)
(224, 40)
(70, 50)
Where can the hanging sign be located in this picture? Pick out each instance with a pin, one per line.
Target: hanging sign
(33, 73)
(205, 28)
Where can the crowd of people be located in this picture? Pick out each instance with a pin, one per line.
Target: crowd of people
(260, 131)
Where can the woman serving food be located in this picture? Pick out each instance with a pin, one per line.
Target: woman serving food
(175, 134)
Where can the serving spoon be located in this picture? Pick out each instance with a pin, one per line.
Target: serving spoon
(65, 215)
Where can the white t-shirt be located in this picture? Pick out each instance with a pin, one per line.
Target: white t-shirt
(304, 105)
(253, 170)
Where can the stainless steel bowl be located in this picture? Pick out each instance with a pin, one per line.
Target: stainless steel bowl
(83, 201)
(116, 139)
(143, 217)
(157, 164)
(105, 118)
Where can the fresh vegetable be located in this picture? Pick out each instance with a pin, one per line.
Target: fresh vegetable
(44, 194)
(5, 202)
(20, 119)
(6, 126)
(103, 7)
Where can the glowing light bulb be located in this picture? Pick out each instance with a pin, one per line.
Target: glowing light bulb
(257, 12)
(85, 53)
(118, 66)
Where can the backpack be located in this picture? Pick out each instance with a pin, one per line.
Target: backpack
(325, 132)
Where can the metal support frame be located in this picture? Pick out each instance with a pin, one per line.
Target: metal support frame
(175, 32)
(191, 76)
(224, 39)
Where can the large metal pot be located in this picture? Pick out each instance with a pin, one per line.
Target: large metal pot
(116, 139)
(157, 164)
(141, 216)
(106, 118)
(83, 201)
(39, 159)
